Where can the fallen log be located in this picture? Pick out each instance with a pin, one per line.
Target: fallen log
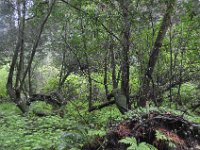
(102, 105)
(53, 99)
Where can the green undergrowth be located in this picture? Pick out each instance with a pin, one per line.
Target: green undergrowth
(163, 110)
(3, 79)
(30, 132)
(77, 127)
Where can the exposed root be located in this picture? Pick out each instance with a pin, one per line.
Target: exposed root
(177, 133)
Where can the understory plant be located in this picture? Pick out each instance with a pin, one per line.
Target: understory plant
(134, 145)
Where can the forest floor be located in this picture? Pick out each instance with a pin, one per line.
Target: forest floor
(105, 129)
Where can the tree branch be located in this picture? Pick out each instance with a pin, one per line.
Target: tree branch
(102, 105)
(80, 10)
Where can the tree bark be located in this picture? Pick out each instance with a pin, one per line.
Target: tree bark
(106, 73)
(21, 57)
(112, 55)
(125, 49)
(15, 92)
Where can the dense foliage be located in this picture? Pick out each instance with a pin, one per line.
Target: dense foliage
(72, 72)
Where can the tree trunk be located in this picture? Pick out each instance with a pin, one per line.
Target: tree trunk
(88, 64)
(106, 73)
(112, 53)
(35, 45)
(15, 91)
(145, 86)
(125, 49)
(65, 71)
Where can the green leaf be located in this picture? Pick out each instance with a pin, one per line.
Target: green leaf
(130, 141)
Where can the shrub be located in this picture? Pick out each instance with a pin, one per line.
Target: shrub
(75, 87)
(3, 79)
(46, 78)
(40, 107)
(9, 109)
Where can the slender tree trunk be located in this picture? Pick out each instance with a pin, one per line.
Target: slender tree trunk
(14, 91)
(113, 65)
(125, 49)
(35, 45)
(171, 61)
(106, 73)
(180, 79)
(112, 54)
(90, 83)
(62, 68)
(145, 86)
(88, 64)
(21, 57)
(30, 89)
(65, 71)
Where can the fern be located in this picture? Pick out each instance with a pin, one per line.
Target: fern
(146, 146)
(135, 146)
(162, 137)
(129, 141)
(99, 133)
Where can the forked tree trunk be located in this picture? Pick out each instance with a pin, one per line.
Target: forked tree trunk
(35, 45)
(14, 91)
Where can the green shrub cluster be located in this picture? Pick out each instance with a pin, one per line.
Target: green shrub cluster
(3, 79)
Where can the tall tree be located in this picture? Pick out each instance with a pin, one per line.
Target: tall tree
(14, 91)
(125, 4)
(145, 91)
